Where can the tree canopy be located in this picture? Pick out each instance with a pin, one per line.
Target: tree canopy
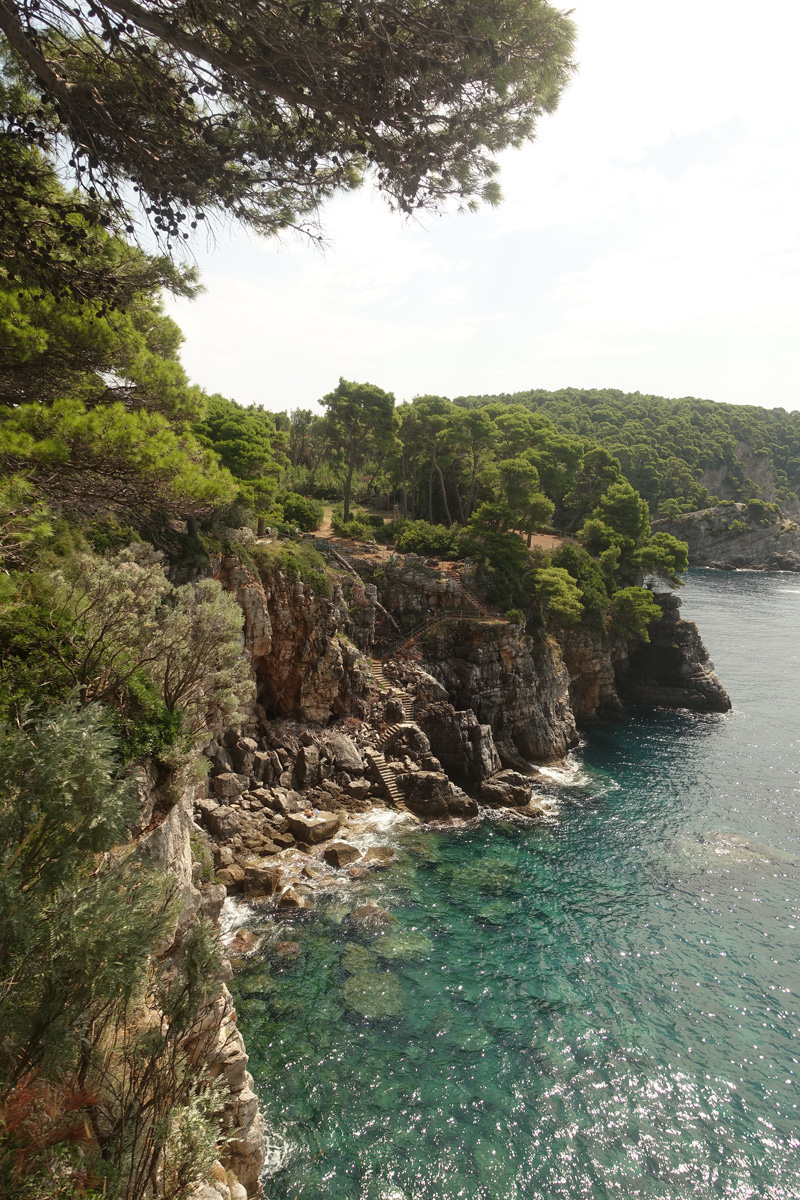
(262, 111)
(680, 454)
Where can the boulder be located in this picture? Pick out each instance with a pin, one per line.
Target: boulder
(223, 857)
(393, 711)
(243, 942)
(223, 822)
(213, 898)
(261, 881)
(232, 877)
(262, 766)
(340, 854)
(359, 789)
(243, 754)
(432, 796)
(507, 789)
(204, 807)
(342, 751)
(229, 784)
(306, 766)
(290, 899)
(317, 828)
(222, 760)
(283, 840)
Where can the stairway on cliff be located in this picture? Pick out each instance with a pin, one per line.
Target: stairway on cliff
(378, 761)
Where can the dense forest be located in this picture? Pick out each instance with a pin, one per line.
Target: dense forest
(664, 446)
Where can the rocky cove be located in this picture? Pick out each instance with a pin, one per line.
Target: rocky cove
(399, 692)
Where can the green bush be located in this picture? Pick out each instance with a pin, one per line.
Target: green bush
(631, 611)
(737, 527)
(304, 513)
(557, 593)
(589, 577)
(420, 537)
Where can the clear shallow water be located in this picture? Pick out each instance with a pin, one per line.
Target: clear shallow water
(602, 1005)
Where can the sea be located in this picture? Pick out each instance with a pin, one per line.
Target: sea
(601, 1004)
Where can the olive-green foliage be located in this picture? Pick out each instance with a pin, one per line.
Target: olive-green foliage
(63, 802)
(557, 593)
(420, 537)
(358, 526)
(94, 404)
(359, 422)
(250, 126)
(663, 556)
(80, 917)
(759, 510)
(501, 559)
(25, 521)
(631, 610)
(585, 570)
(114, 629)
(664, 444)
(250, 446)
(306, 514)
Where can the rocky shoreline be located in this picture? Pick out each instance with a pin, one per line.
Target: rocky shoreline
(452, 723)
(730, 537)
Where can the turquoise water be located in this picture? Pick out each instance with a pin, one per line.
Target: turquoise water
(602, 1005)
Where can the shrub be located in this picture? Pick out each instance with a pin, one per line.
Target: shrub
(420, 537)
(557, 593)
(631, 611)
(304, 513)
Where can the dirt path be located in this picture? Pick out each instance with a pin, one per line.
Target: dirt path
(326, 527)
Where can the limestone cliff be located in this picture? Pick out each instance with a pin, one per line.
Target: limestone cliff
(673, 669)
(519, 689)
(303, 664)
(727, 536)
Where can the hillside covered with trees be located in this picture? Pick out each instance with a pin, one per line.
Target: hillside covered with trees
(684, 450)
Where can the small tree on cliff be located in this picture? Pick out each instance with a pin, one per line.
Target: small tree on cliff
(360, 423)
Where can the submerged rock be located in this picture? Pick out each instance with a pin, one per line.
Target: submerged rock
(372, 995)
(379, 856)
(371, 916)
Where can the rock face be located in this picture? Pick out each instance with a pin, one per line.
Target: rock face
(520, 692)
(729, 536)
(590, 661)
(464, 747)
(432, 796)
(673, 669)
(301, 668)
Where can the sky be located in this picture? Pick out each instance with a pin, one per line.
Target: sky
(648, 241)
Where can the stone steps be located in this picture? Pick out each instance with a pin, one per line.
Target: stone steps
(476, 602)
(402, 694)
(387, 779)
